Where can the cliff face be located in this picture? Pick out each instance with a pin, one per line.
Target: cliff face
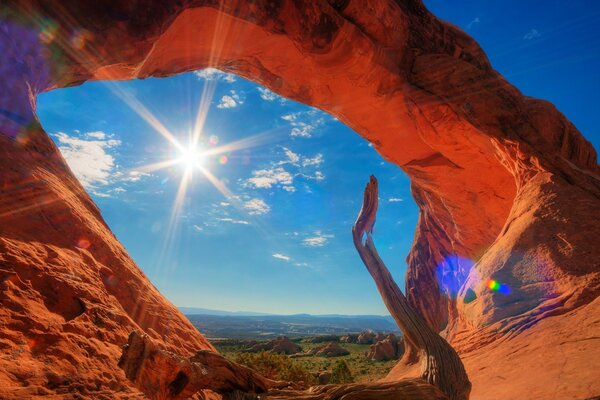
(508, 189)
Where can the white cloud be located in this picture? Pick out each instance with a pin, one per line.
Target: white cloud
(224, 204)
(281, 256)
(88, 155)
(474, 22)
(293, 158)
(289, 117)
(302, 130)
(318, 240)
(315, 241)
(304, 123)
(317, 176)
(96, 135)
(119, 190)
(213, 74)
(316, 160)
(395, 200)
(266, 178)
(269, 95)
(231, 100)
(282, 174)
(234, 221)
(132, 176)
(256, 207)
(197, 228)
(532, 34)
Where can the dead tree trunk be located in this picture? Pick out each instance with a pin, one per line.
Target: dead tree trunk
(441, 366)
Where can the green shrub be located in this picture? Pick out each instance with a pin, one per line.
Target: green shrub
(341, 373)
(275, 366)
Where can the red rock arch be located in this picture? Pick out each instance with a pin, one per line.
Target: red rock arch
(501, 179)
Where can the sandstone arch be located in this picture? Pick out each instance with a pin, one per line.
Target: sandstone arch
(501, 179)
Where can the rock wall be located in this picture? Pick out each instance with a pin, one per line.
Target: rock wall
(508, 189)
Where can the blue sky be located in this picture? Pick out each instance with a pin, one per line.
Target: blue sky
(281, 241)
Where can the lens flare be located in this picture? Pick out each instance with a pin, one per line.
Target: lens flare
(496, 286)
(48, 31)
(213, 140)
(223, 160)
(452, 272)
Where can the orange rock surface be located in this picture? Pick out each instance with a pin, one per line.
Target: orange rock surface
(508, 189)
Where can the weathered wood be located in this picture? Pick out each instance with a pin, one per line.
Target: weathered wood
(440, 364)
(406, 389)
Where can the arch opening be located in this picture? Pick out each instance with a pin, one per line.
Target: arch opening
(281, 191)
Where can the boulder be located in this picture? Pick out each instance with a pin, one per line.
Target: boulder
(389, 348)
(366, 338)
(351, 338)
(329, 350)
(281, 345)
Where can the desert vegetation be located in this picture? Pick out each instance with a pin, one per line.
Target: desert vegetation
(356, 366)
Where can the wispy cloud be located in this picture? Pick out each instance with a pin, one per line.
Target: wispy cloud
(256, 207)
(267, 178)
(131, 176)
(197, 228)
(233, 221)
(231, 100)
(317, 240)
(473, 22)
(281, 174)
(532, 34)
(89, 156)
(316, 160)
(280, 256)
(213, 74)
(395, 199)
(268, 95)
(304, 123)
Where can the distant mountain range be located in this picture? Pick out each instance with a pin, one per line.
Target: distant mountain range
(208, 311)
(248, 324)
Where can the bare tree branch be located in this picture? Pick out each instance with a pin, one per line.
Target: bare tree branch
(440, 364)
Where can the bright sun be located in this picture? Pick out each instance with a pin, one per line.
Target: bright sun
(192, 158)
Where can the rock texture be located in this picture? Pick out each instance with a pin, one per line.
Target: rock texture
(163, 375)
(388, 348)
(328, 350)
(366, 338)
(281, 345)
(508, 189)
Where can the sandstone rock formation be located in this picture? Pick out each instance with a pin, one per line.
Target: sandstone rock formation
(163, 375)
(388, 348)
(322, 339)
(366, 338)
(281, 345)
(508, 189)
(351, 338)
(329, 350)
